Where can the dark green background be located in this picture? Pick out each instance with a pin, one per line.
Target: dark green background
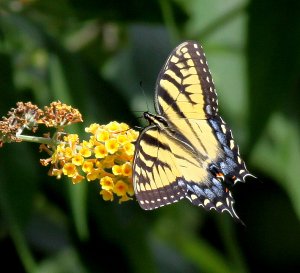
(103, 58)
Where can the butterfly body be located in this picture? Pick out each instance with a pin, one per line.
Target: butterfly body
(187, 151)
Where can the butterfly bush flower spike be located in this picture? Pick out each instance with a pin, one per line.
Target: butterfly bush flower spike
(105, 157)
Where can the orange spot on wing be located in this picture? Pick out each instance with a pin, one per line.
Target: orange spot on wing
(220, 175)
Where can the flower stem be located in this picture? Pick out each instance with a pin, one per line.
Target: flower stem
(43, 140)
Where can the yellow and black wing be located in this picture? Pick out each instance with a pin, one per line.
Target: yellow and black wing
(185, 88)
(187, 151)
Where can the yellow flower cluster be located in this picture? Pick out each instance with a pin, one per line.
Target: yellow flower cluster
(107, 157)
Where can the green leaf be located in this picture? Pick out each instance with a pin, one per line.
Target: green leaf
(277, 153)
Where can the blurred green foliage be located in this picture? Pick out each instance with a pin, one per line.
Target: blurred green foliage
(93, 55)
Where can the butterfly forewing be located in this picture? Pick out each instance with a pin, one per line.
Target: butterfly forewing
(185, 87)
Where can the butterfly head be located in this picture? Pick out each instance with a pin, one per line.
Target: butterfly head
(157, 120)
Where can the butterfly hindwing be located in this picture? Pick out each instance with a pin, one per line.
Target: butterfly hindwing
(172, 173)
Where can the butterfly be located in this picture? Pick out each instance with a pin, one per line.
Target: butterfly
(187, 151)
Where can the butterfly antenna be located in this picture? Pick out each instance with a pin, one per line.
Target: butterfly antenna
(144, 94)
(142, 111)
(139, 128)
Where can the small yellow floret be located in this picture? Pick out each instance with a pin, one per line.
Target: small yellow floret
(113, 126)
(92, 141)
(99, 164)
(122, 139)
(108, 162)
(117, 170)
(130, 190)
(87, 166)
(107, 183)
(92, 128)
(77, 178)
(112, 145)
(124, 127)
(85, 152)
(120, 188)
(129, 148)
(69, 169)
(55, 172)
(126, 169)
(78, 160)
(102, 135)
(72, 138)
(107, 195)
(132, 135)
(93, 175)
(86, 144)
(60, 148)
(100, 151)
(68, 153)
